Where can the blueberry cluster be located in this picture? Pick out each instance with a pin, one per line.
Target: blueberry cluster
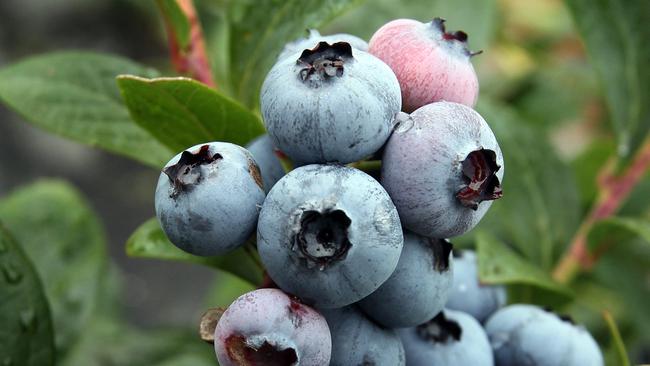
(361, 266)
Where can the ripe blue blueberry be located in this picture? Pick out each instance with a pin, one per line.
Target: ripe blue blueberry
(418, 288)
(356, 340)
(329, 234)
(331, 103)
(442, 168)
(451, 338)
(468, 294)
(529, 335)
(208, 198)
(315, 37)
(267, 327)
(264, 154)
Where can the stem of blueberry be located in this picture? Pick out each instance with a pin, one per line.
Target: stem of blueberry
(613, 191)
(287, 164)
(366, 165)
(191, 58)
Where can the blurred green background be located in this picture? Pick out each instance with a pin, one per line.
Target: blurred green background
(541, 92)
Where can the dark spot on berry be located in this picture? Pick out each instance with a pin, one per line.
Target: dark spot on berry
(439, 330)
(441, 249)
(296, 311)
(324, 60)
(254, 171)
(186, 172)
(199, 222)
(567, 318)
(266, 355)
(481, 183)
(368, 361)
(323, 237)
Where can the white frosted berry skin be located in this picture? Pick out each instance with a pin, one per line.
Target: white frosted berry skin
(218, 212)
(423, 276)
(270, 316)
(422, 168)
(357, 340)
(374, 233)
(468, 294)
(340, 119)
(471, 349)
(429, 67)
(517, 331)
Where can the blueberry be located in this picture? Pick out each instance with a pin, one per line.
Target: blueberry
(418, 288)
(331, 103)
(468, 294)
(529, 335)
(430, 63)
(442, 168)
(264, 153)
(315, 37)
(329, 234)
(267, 327)
(356, 340)
(451, 338)
(208, 198)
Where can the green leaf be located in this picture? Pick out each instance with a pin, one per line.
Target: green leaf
(617, 230)
(108, 342)
(498, 264)
(540, 210)
(623, 270)
(617, 341)
(73, 94)
(149, 241)
(588, 165)
(175, 19)
(182, 112)
(64, 239)
(225, 289)
(617, 35)
(259, 31)
(26, 334)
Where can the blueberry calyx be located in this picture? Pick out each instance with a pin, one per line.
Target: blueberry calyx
(324, 60)
(441, 249)
(460, 36)
(323, 236)
(439, 329)
(481, 182)
(184, 173)
(246, 354)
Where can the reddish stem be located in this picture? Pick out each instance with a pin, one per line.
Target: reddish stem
(192, 59)
(613, 191)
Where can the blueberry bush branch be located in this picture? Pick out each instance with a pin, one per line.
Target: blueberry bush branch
(613, 191)
(186, 42)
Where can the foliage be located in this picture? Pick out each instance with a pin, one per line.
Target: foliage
(538, 85)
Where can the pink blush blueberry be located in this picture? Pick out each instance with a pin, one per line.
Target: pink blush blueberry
(267, 327)
(430, 64)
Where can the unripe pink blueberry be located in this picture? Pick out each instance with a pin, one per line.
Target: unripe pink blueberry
(267, 327)
(431, 64)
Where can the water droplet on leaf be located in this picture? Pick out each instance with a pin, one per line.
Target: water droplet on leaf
(28, 319)
(12, 275)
